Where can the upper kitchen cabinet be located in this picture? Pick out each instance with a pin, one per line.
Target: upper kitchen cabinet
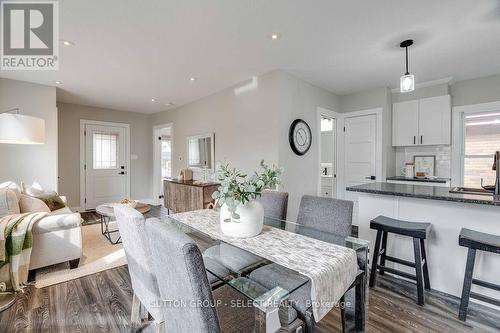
(405, 123)
(426, 121)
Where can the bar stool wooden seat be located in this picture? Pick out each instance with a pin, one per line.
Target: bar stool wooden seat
(418, 231)
(475, 240)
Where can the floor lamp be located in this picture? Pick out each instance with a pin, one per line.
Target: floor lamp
(16, 128)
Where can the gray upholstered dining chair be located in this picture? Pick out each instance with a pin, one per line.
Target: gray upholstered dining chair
(275, 204)
(131, 224)
(326, 214)
(180, 271)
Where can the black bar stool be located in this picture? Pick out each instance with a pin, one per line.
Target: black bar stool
(475, 240)
(416, 230)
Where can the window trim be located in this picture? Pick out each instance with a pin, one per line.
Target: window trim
(458, 136)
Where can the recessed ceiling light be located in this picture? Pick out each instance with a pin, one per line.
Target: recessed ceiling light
(68, 42)
(169, 104)
(275, 36)
(57, 82)
(193, 78)
(153, 100)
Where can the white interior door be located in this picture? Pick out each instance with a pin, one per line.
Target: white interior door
(106, 164)
(360, 150)
(360, 154)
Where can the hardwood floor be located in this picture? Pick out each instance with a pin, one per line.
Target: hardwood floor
(102, 303)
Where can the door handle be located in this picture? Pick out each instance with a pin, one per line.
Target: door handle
(414, 140)
(421, 139)
(122, 173)
(371, 177)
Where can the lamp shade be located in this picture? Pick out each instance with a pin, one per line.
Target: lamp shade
(21, 129)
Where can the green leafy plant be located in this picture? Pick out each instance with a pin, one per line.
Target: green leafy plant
(238, 188)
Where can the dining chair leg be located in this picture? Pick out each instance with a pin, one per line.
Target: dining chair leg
(342, 312)
(469, 271)
(376, 250)
(160, 327)
(418, 269)
(135, 316)
(360, 305)
(427, 283)
(383, 251)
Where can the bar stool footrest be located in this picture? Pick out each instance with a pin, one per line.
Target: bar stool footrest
(400, 261)
(396, 272)
(484, 298)
(486, 284)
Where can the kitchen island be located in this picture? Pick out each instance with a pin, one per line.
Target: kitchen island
(448, 213)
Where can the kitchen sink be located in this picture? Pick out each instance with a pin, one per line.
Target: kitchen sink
(470, 190)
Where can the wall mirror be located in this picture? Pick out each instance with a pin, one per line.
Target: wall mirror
(200, 151)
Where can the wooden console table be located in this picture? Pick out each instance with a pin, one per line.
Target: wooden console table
(187, 195)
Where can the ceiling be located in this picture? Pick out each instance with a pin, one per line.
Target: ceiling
(127, 52)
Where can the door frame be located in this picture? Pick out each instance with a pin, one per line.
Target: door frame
(378, 154)
(156, 159)
(83, 123)
(321, 111)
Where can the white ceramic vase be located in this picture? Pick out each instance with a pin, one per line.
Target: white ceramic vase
(248, 225)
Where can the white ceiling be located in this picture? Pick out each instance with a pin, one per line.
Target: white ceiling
(129, 51)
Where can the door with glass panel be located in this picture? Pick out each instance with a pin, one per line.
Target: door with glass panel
(106, 169)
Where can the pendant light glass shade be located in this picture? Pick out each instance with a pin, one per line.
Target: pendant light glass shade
(21, 129)
(407, 83)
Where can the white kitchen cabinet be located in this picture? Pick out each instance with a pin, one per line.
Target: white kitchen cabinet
(426, 121)
(434, 120)
(405, 123)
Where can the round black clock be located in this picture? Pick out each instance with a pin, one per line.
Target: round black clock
(300, 137)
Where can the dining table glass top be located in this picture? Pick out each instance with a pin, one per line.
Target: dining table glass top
(235, 267)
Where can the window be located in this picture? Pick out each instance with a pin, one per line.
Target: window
(326, 124)
(105, 151)
(482, 140)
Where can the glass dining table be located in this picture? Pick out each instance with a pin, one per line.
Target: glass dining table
(246, 273)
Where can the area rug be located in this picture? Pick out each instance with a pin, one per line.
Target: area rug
(98, 255)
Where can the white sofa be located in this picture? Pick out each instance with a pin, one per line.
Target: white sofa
(57, 237)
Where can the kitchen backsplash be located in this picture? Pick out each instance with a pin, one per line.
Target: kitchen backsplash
(442, 153)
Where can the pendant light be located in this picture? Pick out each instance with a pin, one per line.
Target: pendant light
(407, 81)
(16, 128)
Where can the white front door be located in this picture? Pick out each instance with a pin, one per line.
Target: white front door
(360, 145)
(106, 164)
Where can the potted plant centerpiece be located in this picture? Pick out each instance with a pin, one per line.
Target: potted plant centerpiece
(241, 215)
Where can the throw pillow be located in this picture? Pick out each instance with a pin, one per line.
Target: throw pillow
(51, 199)
(32, 190)
(8, 202)
(29, 204)
(14, 187)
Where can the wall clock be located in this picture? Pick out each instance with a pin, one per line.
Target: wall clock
(300, 137)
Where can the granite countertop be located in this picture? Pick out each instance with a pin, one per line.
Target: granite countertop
(415, 179)
(199, 183)
(425, 192)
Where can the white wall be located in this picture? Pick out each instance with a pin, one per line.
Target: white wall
(141, 146)
(30, 163)
(299, 99)
(254, 126)
(245, 125)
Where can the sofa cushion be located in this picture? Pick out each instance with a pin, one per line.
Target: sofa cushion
(52, 199)
(32, 190)
(14, 187)
(8, 202)
(64, 210)
(29, 204)
(57, 222)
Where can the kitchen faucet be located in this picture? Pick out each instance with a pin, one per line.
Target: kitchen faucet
(496, 167)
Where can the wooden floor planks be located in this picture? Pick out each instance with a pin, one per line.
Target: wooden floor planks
(102, 303)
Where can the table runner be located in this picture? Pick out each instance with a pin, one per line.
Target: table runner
(331, 268)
